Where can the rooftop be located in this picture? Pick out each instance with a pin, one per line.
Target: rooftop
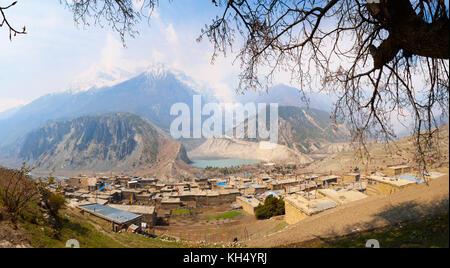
(342, 196)
(135, 209)
(281, 182)
(330, 177)
(399, 167)
(111, 214)
(398, 182)
(149, 179)
(171, 200)
(411, 178)
(311, 176)
(310, 206)
(273, 193)
(251, 201)
(92, 181)
(257, 186)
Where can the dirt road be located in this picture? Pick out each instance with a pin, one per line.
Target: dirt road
(412, 203)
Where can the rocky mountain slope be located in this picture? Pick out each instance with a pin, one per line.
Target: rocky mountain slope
(112, 142)
(301, 131)
(240, 149)
(149, 94)
(309, 130)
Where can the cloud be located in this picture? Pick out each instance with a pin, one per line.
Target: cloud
(173, 45)
(171, 35)
(112, 52)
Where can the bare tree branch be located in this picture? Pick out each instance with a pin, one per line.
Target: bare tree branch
(335, 40)
(4, 22)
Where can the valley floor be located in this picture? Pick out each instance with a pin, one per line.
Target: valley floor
(410, 218)
(220, 225)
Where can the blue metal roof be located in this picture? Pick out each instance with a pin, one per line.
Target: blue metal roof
(272, 193)
(110, 213)
(411, 178)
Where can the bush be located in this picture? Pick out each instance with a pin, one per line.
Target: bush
(272, 207)
(56, 202)
(16, 190)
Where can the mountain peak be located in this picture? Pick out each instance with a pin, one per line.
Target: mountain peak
(97, 77)
(157, 70)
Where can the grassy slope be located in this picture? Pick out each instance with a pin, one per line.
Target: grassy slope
(430, 233)
(90, 234)
(225, 215)
(93, 234)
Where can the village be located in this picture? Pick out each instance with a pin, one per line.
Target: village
(148, 206)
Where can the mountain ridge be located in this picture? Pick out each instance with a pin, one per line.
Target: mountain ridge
(110, 142)
(302, 129)
(147, 95)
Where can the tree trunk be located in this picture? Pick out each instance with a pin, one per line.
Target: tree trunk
(408, 32)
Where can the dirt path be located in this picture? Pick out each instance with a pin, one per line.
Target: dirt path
(377, 211)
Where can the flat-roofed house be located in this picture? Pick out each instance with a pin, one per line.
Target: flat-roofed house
(170, 203)
(92, 184)
(119, 219)
(342, 196)
(248, 204)
(148, 182)
(256, 188)
(281, 184)
(297, 207)
(351, 177)
(148, 212)
(131, 194)
(379, 185)
(132, 184)
(328, 180)
(310, 177)
(397, 170)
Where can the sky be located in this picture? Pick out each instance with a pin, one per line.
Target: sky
(56, 52)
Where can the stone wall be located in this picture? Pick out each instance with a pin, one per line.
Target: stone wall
(293, 214)
(246, 207)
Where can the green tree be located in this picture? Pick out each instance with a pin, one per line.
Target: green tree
(55, 202)
(272, 207)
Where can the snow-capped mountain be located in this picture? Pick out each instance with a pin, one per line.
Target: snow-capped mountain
(98, 78)
(149, 94)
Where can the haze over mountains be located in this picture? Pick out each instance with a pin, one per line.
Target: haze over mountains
(289, 96)
(80, 128)
(149, 94)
